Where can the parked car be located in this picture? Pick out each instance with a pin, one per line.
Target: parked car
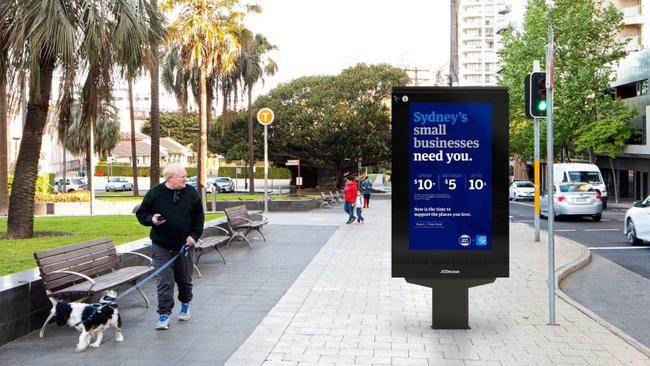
(72, 184)
(192, 181)
(225, 184)
(581, 173)
(636, 224)
(522, 189)
(118, 184)
(574, 199)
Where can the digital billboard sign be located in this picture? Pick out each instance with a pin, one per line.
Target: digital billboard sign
(450, 182)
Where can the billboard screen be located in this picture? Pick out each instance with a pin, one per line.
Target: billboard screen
(450, 181)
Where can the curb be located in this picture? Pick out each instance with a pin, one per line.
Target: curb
(565, 271)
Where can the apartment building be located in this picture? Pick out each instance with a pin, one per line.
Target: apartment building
(632, 167)
(478, 41)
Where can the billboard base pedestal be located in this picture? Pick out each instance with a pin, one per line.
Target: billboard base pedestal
(450, 301)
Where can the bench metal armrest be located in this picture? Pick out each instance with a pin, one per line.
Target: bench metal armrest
(245, 218)
(77, 274)
(264, 218)
(140, 255)
(220, 228)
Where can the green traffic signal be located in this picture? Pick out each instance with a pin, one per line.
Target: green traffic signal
(541, 106)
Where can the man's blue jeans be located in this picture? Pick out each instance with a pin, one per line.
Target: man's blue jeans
(349, 208)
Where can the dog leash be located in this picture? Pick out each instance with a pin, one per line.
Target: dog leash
(113, 300)
(183, 250)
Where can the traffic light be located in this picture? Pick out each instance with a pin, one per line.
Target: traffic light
(535, 95)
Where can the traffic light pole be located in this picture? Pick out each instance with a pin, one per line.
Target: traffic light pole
(549, 175)
(536, 167)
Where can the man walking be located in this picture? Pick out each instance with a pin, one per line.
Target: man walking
(366, 187)
(175, 214)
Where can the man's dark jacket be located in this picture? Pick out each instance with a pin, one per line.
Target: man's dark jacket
(182, 218)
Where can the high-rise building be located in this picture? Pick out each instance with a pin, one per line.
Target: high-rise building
(632, 165)
(478, 40)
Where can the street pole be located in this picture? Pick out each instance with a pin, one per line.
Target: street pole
(549, 175)
(536, 67)
(266, 170)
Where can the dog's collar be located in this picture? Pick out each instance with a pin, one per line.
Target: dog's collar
(95, 310)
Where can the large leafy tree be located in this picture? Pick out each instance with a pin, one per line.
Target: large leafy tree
(78, 37)
(206, 31)
(586, 50)
(253, 66)
(326, 121)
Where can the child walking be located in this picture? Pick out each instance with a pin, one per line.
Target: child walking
(359, 206)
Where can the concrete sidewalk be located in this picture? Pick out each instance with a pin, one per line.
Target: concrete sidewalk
(345, 309)
(320, 292)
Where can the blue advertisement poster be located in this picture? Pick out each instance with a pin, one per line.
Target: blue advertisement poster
(450, 176)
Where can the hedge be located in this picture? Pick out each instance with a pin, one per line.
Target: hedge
(43, 184)
(121, 170)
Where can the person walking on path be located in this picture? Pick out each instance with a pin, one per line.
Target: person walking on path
(175, 214)
(350, 193)
(366, 186)
(359, 206)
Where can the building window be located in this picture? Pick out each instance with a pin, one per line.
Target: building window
(643, 87)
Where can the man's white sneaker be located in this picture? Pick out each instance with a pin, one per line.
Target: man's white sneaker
(185, 312)
(163, 322)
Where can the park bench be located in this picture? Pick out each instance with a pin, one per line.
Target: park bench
(336, 197)
(212, 237)
(241, 222)
(325, 200)
(84, 270)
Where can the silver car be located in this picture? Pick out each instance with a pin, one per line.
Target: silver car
(225, 184)
(574, 199)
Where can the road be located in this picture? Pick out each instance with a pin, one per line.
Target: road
(604, 238)
(616, 284)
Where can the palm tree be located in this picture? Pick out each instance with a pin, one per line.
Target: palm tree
(206, 32)
(253, 68)
(132, 61)
(153, 66)
(75, 35)
(175, 79)
(106, 131)
(4, 127)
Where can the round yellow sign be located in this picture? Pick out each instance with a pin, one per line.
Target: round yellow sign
(265, 116)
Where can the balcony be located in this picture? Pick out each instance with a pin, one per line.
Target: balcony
(633, 43)
(632, 15)
(504, 9)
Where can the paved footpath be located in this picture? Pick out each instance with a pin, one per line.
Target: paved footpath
(345, 309)
(319, 292)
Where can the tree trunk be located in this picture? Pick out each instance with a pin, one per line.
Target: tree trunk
(89, 164)
(134, 152)
(611, 163)
(203, 129)
(4, 148)
(251, 155)
(339, 176)
(64, 162)
(154, 177)
(20, 223)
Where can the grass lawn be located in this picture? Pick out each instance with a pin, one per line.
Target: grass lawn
(52, 232)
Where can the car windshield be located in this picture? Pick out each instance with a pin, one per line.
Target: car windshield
(116, 180)
(588, 177)
(223, 180)
(525, 185)
(567, 188)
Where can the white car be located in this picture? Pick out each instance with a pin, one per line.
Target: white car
(636, 225)
(118, 184)
(522, 189)
(573, 199)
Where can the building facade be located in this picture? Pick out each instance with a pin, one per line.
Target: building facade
(632, 167)
(478, 41)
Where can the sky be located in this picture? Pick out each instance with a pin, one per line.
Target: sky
(320, 37)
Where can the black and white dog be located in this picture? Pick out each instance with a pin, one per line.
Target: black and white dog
(90, 319)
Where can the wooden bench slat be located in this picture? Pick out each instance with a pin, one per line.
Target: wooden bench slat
(90, 268)
(70, 248)
(211, 241)
(71, 279)
(105, 282)
(71, 261)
